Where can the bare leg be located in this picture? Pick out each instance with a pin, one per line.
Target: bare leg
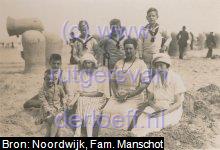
(48, 129)
(78, 127)
(89, 129)
(53, 130)
(77, 132)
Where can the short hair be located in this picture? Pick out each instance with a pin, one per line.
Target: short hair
(115, 22)
(81, 22)
(131, 41)
(152, 9)
(55, 57)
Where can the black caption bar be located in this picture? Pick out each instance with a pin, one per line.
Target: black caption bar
(82, 143)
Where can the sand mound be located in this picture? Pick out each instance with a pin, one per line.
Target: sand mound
(183, 136)
(196, 128)
(22, 122)
(210, 93)
(209, 89)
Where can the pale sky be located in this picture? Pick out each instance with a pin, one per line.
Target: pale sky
(196, 15)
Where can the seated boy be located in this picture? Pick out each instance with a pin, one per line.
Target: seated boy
(53, 95)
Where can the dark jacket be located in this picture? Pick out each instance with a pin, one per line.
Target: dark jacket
(210, 41)
(182, 38)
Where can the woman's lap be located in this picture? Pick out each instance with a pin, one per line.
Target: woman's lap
(88, 108)
(146, 125)
(119, 115)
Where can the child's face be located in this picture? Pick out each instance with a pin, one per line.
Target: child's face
(88, 64)
(50, 80)
(84, 29)
(55, 65)
(116, 29)
(161, 67)
(152, 17)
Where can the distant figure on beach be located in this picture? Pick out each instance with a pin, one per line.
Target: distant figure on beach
(192, 40)
(201, 41)
(3, 44)
(210, 42)
(182, 38)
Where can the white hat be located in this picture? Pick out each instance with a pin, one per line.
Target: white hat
(88, 57)
(161, 57)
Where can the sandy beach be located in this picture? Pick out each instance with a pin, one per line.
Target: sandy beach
(16, 87)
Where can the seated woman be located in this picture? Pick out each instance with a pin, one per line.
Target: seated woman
(92, 92)
(165, 97)
(129, 79)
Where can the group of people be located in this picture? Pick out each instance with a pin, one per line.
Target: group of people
(183, 37)
(141, 86)
(152, 39)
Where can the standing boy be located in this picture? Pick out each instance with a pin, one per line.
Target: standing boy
(112, 45)
(84, 43)
(153, 38)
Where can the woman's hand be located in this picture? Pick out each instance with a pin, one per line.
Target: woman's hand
(104, 104)
(123, 97)
(159, 113)
(155, 107)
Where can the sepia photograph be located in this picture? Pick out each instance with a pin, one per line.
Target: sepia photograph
(110, 68)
